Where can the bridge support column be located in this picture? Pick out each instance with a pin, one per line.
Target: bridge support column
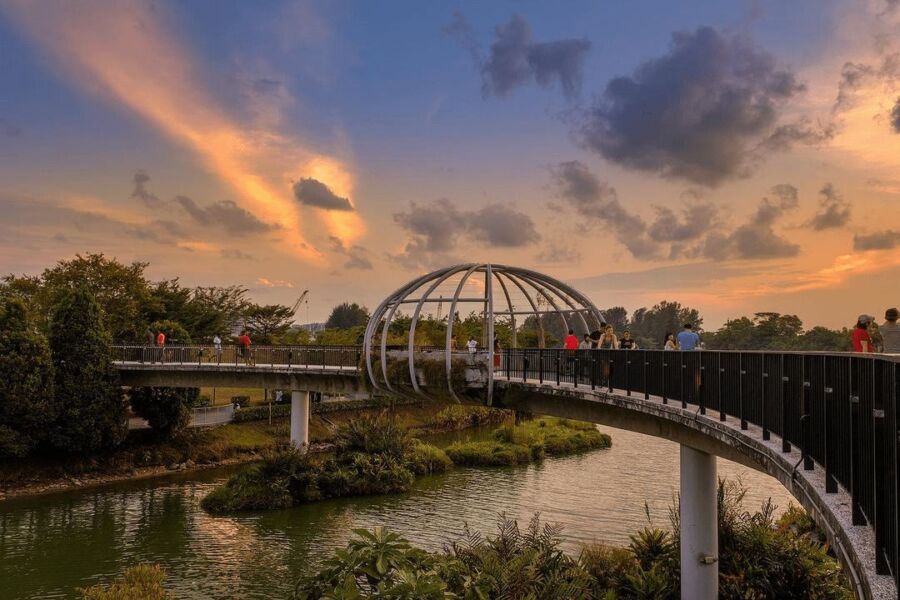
(699, 526)
(300, 419)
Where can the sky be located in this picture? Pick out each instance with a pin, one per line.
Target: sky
(737, 157)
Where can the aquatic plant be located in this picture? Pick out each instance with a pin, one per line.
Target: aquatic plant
(142, 582)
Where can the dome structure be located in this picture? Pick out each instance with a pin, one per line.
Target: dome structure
(517, 302)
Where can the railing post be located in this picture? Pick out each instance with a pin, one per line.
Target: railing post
(627, 373)
(541, 365)
(830, 438)
(557, 366)
(785, 408)
(856, 478)
(808, 464)
(720, 374)
(644, 375)
(681, 377)
(741, 414)
(610, 377)
(665, 390)
(766, 435)
(509, 364)
(700, 390)
(593, 369)
(576, 365)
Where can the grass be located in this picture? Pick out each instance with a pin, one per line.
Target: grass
(143, 582)
(529, 441)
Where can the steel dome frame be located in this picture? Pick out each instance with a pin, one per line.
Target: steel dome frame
(564, 300)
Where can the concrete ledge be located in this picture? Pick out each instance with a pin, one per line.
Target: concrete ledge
(854, 545)
(329, 380)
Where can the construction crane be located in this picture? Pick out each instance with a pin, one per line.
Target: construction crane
(299, 302)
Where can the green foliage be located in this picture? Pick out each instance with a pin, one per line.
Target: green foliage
(203, 311)
(458, 416)
(266, 323)
(347, 315)
(650, 325)
(143, 582)
(373, 456)
(531, 440)
(89, 406)
(774, 331)
(760, 560)
(26, 371)
(166, 409)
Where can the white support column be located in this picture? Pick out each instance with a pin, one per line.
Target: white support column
(300, 419)
(699, 526)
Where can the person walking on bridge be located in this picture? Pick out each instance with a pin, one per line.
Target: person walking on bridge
(890, 332)
(244, 343)
(161, 345)
(217, 347)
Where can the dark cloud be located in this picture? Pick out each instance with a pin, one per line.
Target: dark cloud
(356, 255)
(556, 253)
(834, 211)
(880, 240)
(313, 192)
(235, 254)
(225, 214)
(8, 129)
(756, 239)
(704, 112)
(895, 117)
(696, 220)
(515, 59)
(435, 229)
(498, 225)
(856, 75)
(150, 200)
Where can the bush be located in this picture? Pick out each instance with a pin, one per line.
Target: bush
(143, 582)
(425, 459)
(166, 409)
(488, 454)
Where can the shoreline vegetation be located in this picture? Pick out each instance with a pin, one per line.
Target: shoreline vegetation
(373, 455)
(759, 557)
(143, 455)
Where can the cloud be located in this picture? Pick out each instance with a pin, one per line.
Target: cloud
(150, 200)
(356, 255)
(8, 129)
(272, 283)
(696, 220)
(556, 253)
(435, 229)
(855, 76)
(313, 192)
(498, 225)
(225, 214)
(128, 53)
(703, 112)
(235, 254)
(895, 117)
(756, 240)
(834, 211)
(880, 240)
(515, 59)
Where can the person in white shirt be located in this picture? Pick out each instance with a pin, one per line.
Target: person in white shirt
(217, 347)
(472, 345)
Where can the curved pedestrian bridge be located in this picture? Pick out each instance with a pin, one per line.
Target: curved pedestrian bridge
(825, 425)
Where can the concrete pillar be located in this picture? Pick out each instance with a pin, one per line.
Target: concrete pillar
(300, 419)
(699, 526)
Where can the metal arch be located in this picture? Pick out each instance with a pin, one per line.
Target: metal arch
(415, 317)
(575, 294)
(372, 326)
(562, 295)
(533, 307)
(509, 303)
(540, 291)
(489, 315)
(451, 316)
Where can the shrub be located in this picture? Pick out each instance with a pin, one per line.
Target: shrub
(425, 459)
(488, 454)
(166, 409)
(144, 582)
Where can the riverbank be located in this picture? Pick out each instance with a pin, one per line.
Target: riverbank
(142, 457)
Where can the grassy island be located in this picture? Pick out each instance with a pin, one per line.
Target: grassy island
(532, 440)
(376, 455)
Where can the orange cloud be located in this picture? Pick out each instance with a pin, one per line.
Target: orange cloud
(125, 50)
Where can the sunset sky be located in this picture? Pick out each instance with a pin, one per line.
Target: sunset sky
(735, 156)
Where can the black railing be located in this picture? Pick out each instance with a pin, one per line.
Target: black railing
(336, 357)
(838, 410)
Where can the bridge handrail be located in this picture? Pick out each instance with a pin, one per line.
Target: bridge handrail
(839, 409)
(341, 357)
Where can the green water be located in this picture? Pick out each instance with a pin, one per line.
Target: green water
(52, 544)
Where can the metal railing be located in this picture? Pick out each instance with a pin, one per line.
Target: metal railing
(838, 410)
(336, 357)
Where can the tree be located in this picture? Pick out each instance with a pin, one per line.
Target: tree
(166, 409)
(346, 315)
(650, 326)
(27, 375)
(88, 403)
(617, 316)
(202, 311)
(266, 322)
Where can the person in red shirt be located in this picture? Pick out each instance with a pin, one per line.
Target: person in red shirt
(862, 341)
(571, 342)
(244, 341)
(161, 344)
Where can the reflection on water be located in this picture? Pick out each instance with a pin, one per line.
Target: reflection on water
(50, 545)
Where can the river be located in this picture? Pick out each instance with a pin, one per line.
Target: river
(52, 544)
